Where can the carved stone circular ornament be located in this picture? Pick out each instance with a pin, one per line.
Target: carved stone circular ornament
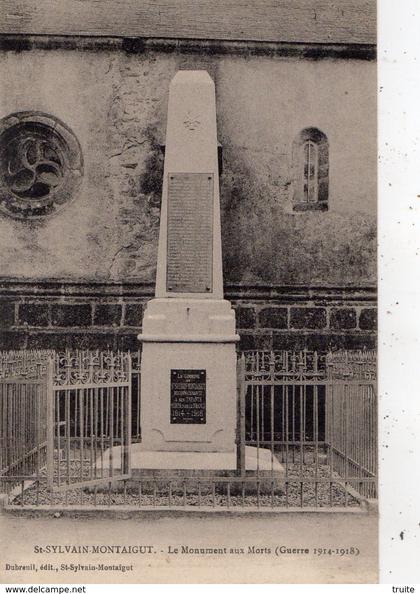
(41, 165)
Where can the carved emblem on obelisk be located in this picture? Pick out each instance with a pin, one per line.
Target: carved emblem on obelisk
(192, 121)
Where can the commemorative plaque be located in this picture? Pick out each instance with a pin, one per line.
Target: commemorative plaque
(190, 233)
(188, 396)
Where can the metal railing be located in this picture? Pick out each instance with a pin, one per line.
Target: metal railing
(23, 421)
(135, 396)
(351, 419)
(89, 418)
(306, 433)
(312, 421)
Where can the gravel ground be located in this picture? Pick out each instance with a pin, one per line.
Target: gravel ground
(158, 493)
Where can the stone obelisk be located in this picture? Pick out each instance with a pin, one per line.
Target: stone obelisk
(188, 369)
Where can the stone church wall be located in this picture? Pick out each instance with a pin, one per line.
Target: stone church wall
(296, 278)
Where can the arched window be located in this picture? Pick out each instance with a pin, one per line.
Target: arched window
(310, 163)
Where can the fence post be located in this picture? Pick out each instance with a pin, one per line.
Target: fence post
(240, 431)
(50, 422)
(127, 440)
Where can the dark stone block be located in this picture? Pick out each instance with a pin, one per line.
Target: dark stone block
(357, 342)
(245, 317)
(295, 341)
(128, 342)
(273, 317)
(33, 314)
(332, 342)
(349, 342)
(251, 342)
(285, 341)
(67, 315)
(107, 314)
(368, 319)
(90, 341)
(133, 314)
(343, 318)
(322, 342)
(317, 342)
(7, 314)
(308, 318)
(12, 341)
(247, 342)
(71, 340)
(56, 342)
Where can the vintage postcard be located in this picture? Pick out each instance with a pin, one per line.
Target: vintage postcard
(188, 292)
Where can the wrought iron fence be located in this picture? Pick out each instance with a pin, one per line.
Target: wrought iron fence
(351, 419)
(306, 434)
(135, 396)
(23, 421)
(313, 418)
(62, 414)
(89, 418)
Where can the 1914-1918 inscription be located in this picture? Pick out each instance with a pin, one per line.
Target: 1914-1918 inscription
(188, 396)
(190, 233)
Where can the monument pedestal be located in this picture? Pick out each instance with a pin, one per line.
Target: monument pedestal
(164, 464)
(188, 375)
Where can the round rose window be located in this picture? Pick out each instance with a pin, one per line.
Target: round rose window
(40, 165)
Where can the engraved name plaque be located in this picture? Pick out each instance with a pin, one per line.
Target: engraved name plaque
(188, 396)
(190, 233)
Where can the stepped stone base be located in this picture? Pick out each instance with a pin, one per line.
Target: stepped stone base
(159, 463)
